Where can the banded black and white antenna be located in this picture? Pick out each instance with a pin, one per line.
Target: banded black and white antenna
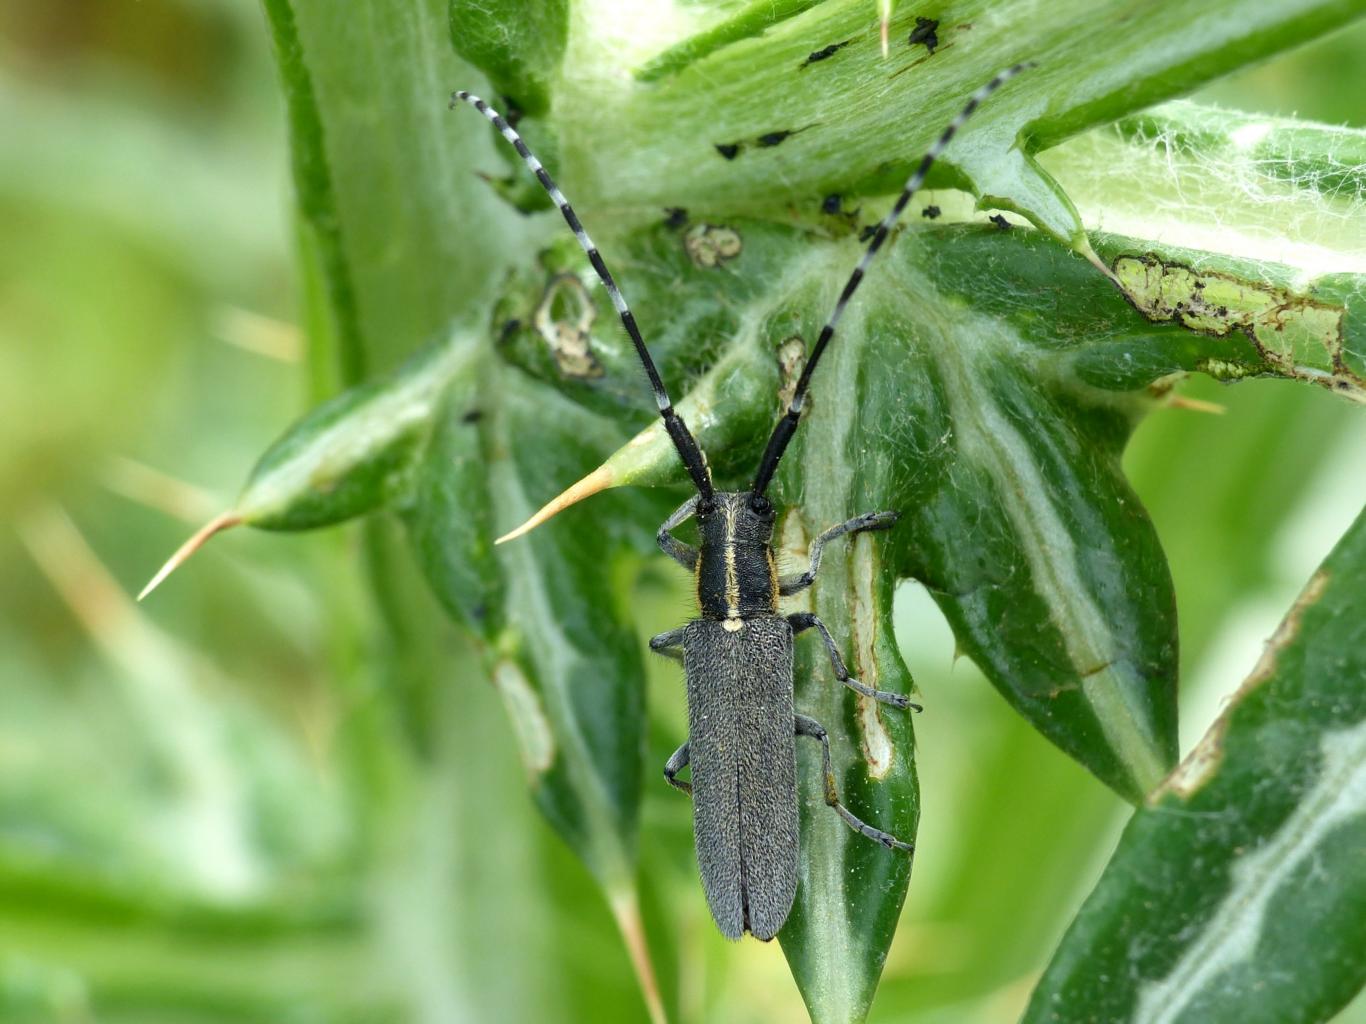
(787, 426)
(683, 440)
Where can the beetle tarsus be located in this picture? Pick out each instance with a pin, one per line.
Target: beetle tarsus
(790, 585)
(805, 620)
(812, 729)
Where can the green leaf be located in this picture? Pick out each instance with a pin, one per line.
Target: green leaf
(1261, 188)
(355, 453)
(1239, 890)
(452, 507)
(1096, 62)
(1015, 515)
(396, 237)
(1024, 530)
(569, 668)
(984, 385)
(1017, 360)
(520, 55)
(753, 20)
(425, 442)
(851, 889)
(393, 219)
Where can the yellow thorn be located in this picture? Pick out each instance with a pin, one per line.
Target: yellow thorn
(598, 480)
(1195, 404)
(218, 523)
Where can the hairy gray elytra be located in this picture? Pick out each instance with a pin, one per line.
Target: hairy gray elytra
(744, 770)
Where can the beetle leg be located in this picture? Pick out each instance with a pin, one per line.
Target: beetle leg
(669, 644)
(812, 728)
(805, 620)
(675, 764)
(789, 585)
(684, 554)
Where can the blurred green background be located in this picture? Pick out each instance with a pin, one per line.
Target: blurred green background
(198, 820)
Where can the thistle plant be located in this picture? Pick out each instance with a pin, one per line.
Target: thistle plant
(1090, 241)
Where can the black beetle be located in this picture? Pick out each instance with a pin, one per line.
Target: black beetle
(737, 656)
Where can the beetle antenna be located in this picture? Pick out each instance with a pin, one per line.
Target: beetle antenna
(787, 426)
(687, 447)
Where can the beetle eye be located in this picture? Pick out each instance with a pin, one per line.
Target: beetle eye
(760, 505)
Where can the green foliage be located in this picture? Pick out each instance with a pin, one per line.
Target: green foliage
(520, 55)
(1018, 520)
(466, 368)
(1248, 859)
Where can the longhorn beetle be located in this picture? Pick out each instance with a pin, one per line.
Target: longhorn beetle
(737, 656)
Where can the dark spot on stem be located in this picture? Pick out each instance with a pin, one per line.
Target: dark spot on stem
(930, 212)
(825, 52)
(473, 416)
(1000, 221)
(772, 138)
(831, 203)
(729, 150)
(868, 232)
(675, 217)
(925, 31)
